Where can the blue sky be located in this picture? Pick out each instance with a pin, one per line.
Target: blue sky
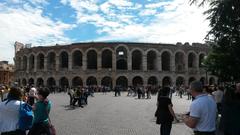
(47, 22)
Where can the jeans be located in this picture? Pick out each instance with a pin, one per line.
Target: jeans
(165, 129)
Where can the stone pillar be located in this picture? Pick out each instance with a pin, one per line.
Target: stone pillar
(84, 62)
(28, 61)
(197, 63)
(45, 63)
(57, 63)
(130, 81)
(35, 64)
(186, 63)
(172, 63)
(144, 62)
(159, 62)
(114, 61)
(129, 61)
(70, 62)
(99, 61)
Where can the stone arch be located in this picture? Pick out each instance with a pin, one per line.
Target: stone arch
(25, 62)
(51, 60)
(77, 81)
(40, 82)
(212, 81)
(180, 61)
(152, 60)
(180, 81)
(31, 81)
(51, 82)
(107, 58)
(166, 81)
(91, 80)
(192, 59)
(201, 59)
(64, 83)
(121, 58)
(137, 57)
(190, 80)
(152, 80)
(106, 81)
(40, 61)
(24, 82)
(137, 80)
(77, 58)
(91, 59)
(63, 59)
(31, 62)
(166, 60)
(122, 81)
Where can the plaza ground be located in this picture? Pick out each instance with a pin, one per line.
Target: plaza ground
(109, 115)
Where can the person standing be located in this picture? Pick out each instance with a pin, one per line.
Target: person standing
(218, 95)
(230, 120)
(9, 113)
(203, 110)
(31, 96)
(164, 113)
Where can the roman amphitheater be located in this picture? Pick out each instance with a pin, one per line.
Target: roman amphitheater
(111, 64)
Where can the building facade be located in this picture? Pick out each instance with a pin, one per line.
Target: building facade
(111, 64)
(6, 73)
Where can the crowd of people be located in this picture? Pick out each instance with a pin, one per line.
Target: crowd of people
(12, 98)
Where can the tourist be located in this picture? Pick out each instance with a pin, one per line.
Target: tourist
(32, 96)
(230, 120)
(203, 110)
(164, 113)
(218, 95)
(70, 93)
(9, 114)
(41, 111)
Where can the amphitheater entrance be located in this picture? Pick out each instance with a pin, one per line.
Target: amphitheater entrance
(152, 81)
(31, 81)
(166, 81)
(122, 81)
(137, 81)
(64, 83)
(40, 82)
(192, 60)
(180, 81)
(166, 61)
(63, 60)
(107, 82)
(92, 59)
(40, 61)
(51, 82)
(107, 59)
(31, 63)
(121, 57)
(77, 81)
(136, 60)
(51, 61)
(91, 81)
(77, 59)
(151, 60)
(179, 62)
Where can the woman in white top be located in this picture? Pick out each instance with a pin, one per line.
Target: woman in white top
(9, 113)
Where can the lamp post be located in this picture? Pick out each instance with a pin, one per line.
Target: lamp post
(205, 68)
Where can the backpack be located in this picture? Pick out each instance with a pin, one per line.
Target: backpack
(25, 116)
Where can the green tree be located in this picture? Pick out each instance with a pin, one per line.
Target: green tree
(224, 38)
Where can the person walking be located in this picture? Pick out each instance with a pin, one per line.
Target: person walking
(203, 110)
(9, 113)
(41, 111)
(164, 113)
(230, 120)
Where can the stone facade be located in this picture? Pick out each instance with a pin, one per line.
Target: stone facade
(6, 73)
(111, 64)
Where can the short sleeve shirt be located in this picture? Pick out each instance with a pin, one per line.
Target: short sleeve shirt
(40, 114)
(204, 109)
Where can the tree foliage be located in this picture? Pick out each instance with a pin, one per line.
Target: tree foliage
(224, 36)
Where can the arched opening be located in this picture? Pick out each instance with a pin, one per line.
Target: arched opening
(151, 60)
(136, 60)
(40, 61)
(51, 82)
(25, 63)
(77, 59)
(31, 62)
(179, 61)
(18, 63)
(121, 57)
(51, 61)
(77, 81)
(64, 83)
(180, 81)
(122, 81)
(31, 82)
(40, 82)
(107, 81)
(166, 61)
(137, 81)
(211, 81)
(202, 80)
(152, 80)
(166, 81)
(201, 59)
(106, 59)
(191, 60)
(191, 79)
(92, 59)
(91, 81)
(63, 60)
(24, 82)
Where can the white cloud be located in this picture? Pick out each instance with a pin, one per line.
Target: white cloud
(28, 27)
(147, 12)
